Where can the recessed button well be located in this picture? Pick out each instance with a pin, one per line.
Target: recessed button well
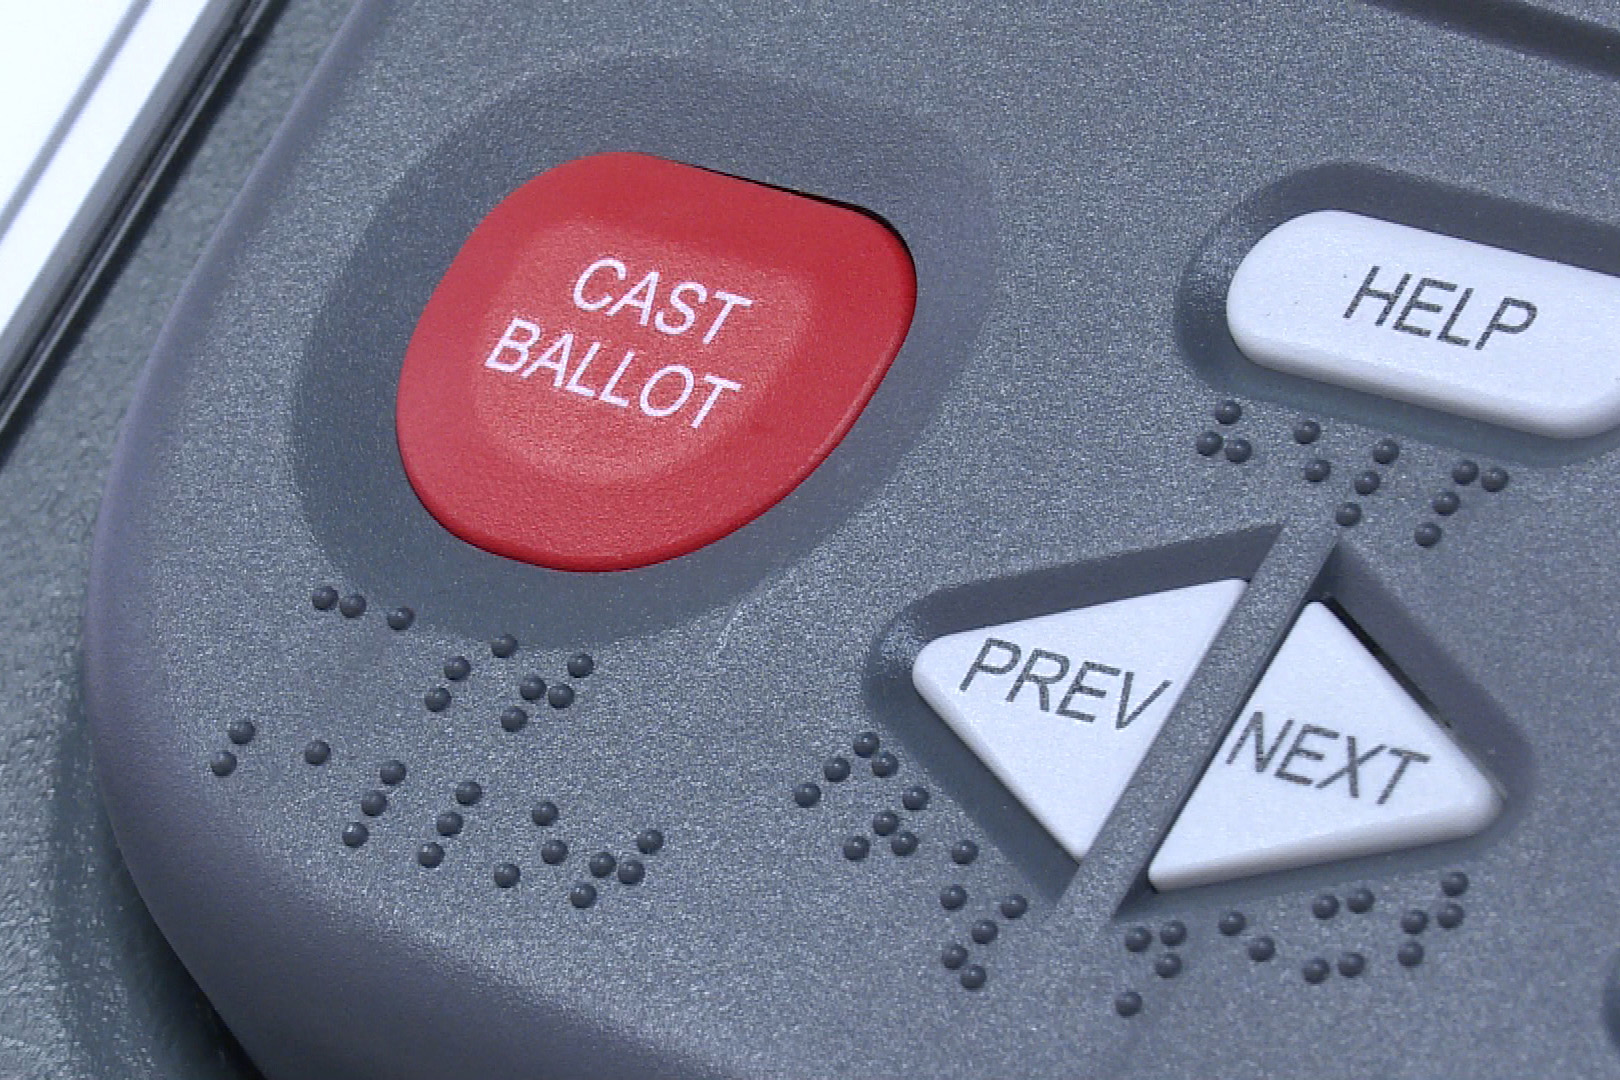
(1413, 315)
(1063, 707)
(630, 358)
(1330, 758)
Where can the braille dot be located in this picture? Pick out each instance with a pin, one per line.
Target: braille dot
(1014, 906)
(222, 763)
(582, 895)
(560, 696)
(1318, 470)
(352, 606)
(1359, 901)
(866, 744)
(430, 855)
(392, 773)
(964, 852)
(1352, 964)
(545, 813)
(1317, 970)
(373, 803)
(317, 753)
(885, 764)
(324, 598)
(448, 823)
(1167, 966)
(532, 688)
(1415, 921)
(973, 977)
(857, 848)
(1228, 413)
(436, 699)
(1367, 483)
(1209, 443)
(807, 794)
(355, 834)
(1385, 451)
(836, 769)
(468, 792)
(503, 647)
(241, 732)
(650, 841)
(1128, 1004)
(1325, 906)
(1238, 451)
(513, 717)
(1347, 514)
(1173, 933)
(553, 852)
(580, 665)
(953, 956)
(952, 897)
(1450, 916)
(1410, 954)
(885, 822)
(1464, 472)
(1446, 503)
(903, 842)
(1232, 923)
(1307, 432)
(1138, 938)
(1427, 534)
(1454, 883)
(401, 618)
(602, 864)
(631, 871)
(506, 875)
(457, 668)
(1262, 949)
(1493, 479)
(914, 798)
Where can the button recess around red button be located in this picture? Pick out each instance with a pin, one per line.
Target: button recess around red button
(630, 358)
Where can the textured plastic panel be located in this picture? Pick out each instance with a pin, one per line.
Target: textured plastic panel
(91, 988)
(1075, 184)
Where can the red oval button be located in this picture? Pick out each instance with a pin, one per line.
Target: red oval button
(630, 358)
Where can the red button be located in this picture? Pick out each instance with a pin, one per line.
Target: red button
(631, 358)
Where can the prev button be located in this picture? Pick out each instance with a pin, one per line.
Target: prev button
(1063, 707)
(1447, 323)
(630, 358)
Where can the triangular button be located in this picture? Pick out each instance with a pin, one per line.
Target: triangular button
(1063, 707)
(1330, 759)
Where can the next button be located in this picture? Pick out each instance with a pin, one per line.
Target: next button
(1434, 320)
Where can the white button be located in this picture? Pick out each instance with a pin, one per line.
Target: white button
(1431, 319)
(1063, 707)
(1329, 759)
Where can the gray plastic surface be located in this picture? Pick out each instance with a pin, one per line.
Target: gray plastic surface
(1075, 182)
(92, 991)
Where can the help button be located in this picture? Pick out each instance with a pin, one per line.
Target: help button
(630, 358)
